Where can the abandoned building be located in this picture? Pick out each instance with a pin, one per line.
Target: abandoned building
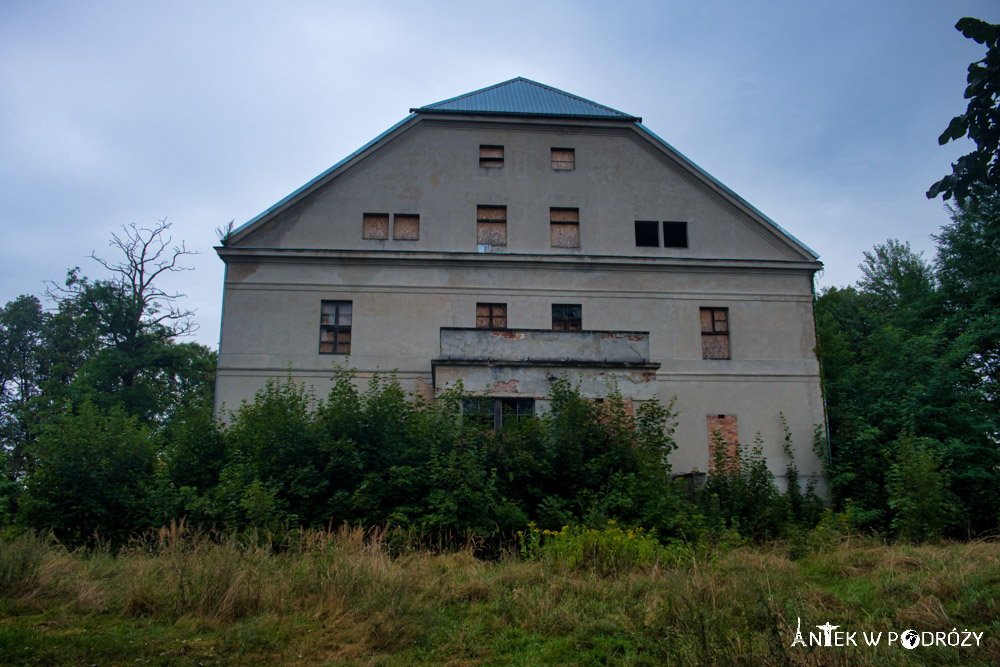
(518, 234)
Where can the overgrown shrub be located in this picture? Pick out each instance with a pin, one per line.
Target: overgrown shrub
(94, 476)
(918, 490)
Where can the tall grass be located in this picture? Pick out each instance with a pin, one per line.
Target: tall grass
(356, 596)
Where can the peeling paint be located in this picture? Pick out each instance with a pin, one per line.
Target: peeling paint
(509, 335)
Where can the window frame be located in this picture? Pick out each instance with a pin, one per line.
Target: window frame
(336, 328)
(502, 408)
(482, 219)
(560, 165)
(565, 319)
(491, 161)
(572, 221)
(715, 332)
(492, 315)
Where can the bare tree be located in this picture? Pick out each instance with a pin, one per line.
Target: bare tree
(131, 307)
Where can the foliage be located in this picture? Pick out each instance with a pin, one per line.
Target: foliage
(918, 490)
(906, 354)
(611, 551)
(378, 457)
(979, 171)
(130, 325)
(93, 476)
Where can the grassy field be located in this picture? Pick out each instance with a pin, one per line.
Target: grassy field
(347, 597)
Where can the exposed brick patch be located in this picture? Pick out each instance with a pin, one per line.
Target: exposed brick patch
(510, 335)
(509, 387)
(723, 428)
(620, 336)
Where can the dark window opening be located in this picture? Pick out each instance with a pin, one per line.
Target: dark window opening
(647, 234)
(564, 159)
(490, 156)
(675, 234)
(567, 317)
(335, 327)
(715, 333)
(495, 412)
(491, 315)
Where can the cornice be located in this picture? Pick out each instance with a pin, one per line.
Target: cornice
(431, 259)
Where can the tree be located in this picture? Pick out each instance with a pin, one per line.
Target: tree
(21, 328)
(968, 266)
(133, 323)
(980, 122)
(130, 307)
(898, 362)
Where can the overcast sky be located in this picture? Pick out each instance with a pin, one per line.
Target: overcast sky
(825, 116)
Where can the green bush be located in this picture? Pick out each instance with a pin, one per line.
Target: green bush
(918, 490)
(94, 476)
(610, 551)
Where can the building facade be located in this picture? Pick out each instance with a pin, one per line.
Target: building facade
(518, 234)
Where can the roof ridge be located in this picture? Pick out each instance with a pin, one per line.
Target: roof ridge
(474, 92)
(569, 95)
(523, 96)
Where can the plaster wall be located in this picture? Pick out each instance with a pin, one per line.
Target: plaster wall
(432, 169)
(310, 249)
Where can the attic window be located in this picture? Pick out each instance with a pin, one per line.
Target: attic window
(647, 234)
(491, 225)
(406, 227)
(490, 156)
(376, 226)
(675, 234)
(564, 227)
(564, 159)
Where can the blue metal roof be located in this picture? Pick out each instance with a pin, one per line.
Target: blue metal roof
(523, 97)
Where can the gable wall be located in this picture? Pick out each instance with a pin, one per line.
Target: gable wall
(432, 169)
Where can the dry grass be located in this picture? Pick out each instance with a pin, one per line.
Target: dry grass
(354, 596)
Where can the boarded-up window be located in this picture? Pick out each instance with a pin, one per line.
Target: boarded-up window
(406, 227)
(491, 315)
(491, 225)
(675, 234)
(723, 442)
(564, 159)
(715, 333)
(564, 227)
(490, 156)
(335, 327)
(647, 233)
(376, 226)
(567, 317)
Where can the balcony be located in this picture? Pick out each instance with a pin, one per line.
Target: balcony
(518, 362)
(545, 346)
